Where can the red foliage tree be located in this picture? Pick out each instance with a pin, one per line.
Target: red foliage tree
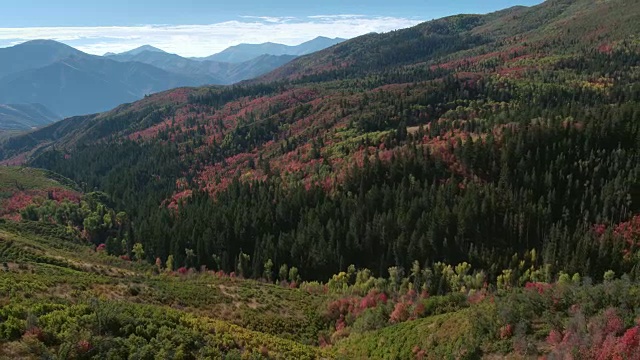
(400, 313)
(83, 346)
(34, 333)
(506, 331)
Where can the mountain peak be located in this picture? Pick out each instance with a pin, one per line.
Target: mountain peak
(41, 42)
(245, 52)
(139, 50)
(326, 38)
(33, 54)
(44, 43)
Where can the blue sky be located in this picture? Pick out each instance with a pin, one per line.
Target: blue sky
(203, 27)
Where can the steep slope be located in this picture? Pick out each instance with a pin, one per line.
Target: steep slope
(33, 54)
(469, 138)
(15, 149)
(87, 129)
(467, 188)
(245, 52)
(553, 27)
(25, 116)
(437, 45)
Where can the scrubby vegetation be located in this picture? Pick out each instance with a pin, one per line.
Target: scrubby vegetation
(61, 297)
(65, 299)
(470, 189)
(21, 187)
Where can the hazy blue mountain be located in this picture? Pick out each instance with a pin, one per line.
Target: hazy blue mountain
(33, 54)
(87, 84)
(246, 52)
(25, 116)
(317, 44)
(70, 82)
(209, 72)
(256, 67)
(139, 50)
(173, 63)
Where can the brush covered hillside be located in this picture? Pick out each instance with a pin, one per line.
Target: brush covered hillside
(22, 188)
(508, 141)
(63, 296)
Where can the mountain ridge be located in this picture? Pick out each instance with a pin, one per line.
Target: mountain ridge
(465, 188)
(62, 85)
(302, 68)
(63, 78)
(211, 72)
(245, 52)
(448, 101)
(140, 49)
(33, 54)
(553, 19)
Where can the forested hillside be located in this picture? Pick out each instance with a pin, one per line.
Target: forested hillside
(472, 138)
(63, 297)
(478, 174)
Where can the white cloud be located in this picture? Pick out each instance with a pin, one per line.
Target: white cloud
(203, 40)
(270, 19)
(341, 16)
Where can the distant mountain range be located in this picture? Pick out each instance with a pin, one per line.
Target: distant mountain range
(68, 82)
(245, 52)
(209, 72)
(83, 84)
(138, 50)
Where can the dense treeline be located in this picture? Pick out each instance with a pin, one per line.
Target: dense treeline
(540, 191)
(218, 96)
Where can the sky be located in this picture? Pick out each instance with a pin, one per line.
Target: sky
(205, 27)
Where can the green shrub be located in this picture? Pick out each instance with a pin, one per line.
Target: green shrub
(371, 319)
(12, 328)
